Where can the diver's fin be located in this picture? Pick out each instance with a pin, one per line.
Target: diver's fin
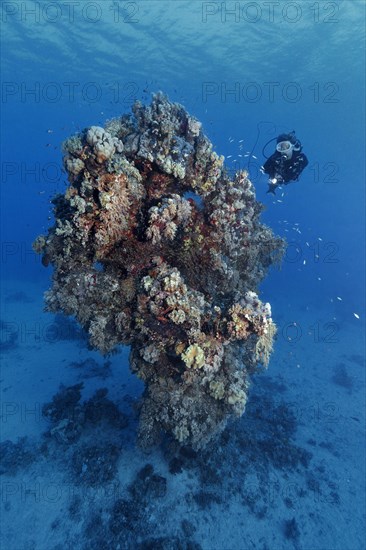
(271, 188)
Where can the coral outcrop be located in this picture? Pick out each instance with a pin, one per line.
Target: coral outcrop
(154, 246)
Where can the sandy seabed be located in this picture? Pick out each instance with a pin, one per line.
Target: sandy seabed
(289, 474)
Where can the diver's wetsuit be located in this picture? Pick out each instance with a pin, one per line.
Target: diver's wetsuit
(277, 166)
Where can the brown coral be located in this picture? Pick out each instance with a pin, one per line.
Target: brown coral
(156, 247)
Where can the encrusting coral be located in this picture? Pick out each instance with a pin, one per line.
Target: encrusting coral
(154, 246)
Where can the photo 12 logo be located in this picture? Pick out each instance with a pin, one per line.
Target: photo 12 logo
(270, 12)
(69, 92)
(270, 92)
(69, 12)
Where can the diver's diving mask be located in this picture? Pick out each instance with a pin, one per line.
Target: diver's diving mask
(285, 148)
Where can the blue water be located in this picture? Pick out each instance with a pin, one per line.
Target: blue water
(248, 71)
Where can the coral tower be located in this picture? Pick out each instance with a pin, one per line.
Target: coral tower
(156, 247)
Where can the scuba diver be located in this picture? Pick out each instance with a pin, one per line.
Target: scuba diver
(286, 163)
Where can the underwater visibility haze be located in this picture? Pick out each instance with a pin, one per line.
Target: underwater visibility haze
(183, 275)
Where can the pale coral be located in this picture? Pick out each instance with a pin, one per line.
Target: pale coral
(156, 247)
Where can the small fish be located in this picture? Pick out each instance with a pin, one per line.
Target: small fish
(356, 315)
(229, 156)
(255, 157)
(339, 298)
(49, 131)
(320, 239)
(319, 278)
(304, 262)
(241, 140)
